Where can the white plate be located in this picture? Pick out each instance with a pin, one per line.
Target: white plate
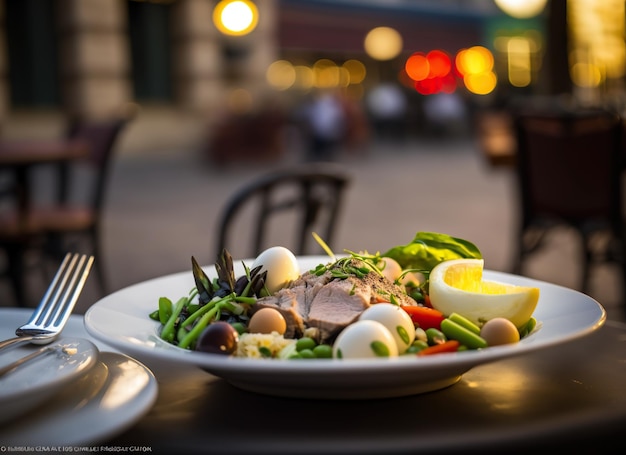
(111, 396)
(39, 379)
(121, 319)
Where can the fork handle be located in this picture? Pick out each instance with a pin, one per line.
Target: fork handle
(15, 341)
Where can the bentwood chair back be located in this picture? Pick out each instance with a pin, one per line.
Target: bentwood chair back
(74, 218)
(284, 208)
(569, 168)
(73, 221)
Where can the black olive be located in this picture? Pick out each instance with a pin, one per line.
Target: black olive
(218, 338)
(240, 284)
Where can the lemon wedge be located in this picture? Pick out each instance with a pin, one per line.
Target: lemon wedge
(457, 286)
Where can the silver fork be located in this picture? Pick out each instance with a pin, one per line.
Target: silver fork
(49, 318)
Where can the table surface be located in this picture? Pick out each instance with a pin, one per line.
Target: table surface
(572, 395)
(29, 152)
(569, 396)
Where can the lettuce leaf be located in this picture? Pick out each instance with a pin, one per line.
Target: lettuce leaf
(430, 248)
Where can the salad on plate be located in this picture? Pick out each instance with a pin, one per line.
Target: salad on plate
(424, 298)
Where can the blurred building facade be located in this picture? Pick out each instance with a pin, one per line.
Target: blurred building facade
(89, 57)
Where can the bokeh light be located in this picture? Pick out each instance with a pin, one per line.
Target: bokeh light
(356, 70)
(417, 66)
(383, 43)
(235, 17)
(431, 72)
(586, 75)
(522, 9)
(439, 62)
(281, 75)
(326, 73)
(305, 79)
(481, 83)
(475, 65)
(475, 60)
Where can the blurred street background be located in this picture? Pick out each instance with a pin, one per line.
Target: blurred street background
(217, 107)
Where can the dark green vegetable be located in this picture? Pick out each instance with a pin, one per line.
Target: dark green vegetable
(430, 248)
(165, 309)
(169, 328)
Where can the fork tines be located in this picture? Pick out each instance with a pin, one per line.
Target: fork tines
(61, 296)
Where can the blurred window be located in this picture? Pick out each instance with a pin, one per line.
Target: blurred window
(32, 52)
(150, 44)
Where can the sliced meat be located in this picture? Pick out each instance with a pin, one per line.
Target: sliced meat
(290, 302)
(336, 305)
(328, 304)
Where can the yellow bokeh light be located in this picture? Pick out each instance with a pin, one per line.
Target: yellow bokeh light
(235, 17)
(281, 75)
(481, 83)
(383, 43)
(475, 60)
(356, 70)
(326, 73)
(586, 75)
(305, 78)
(522, 9)
(518, 50)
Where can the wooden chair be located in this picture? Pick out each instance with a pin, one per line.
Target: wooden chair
(294, 202)
(569, 168)
(50, 230)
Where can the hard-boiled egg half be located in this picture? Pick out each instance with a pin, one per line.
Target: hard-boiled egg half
(457, 286)
(365, 339)
(281, 266)
(396, 320)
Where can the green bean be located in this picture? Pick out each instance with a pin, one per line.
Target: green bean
(204, 308)
(466, 337)
(165, 309)
(182, 332)
(435, 336)
(169, 327)
(197, 329)
(528, 327)
(463, 321)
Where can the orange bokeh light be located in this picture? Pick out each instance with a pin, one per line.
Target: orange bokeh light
(417, 66)
(436, 72)
(440, 64)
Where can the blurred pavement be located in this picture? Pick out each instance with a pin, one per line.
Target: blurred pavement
(162, 209)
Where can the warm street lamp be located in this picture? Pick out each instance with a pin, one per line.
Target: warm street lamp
(235, 17)
(522, 9)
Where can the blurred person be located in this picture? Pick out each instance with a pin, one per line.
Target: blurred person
(445, 112)
(325, 121)
(387, 105)
(357, 126)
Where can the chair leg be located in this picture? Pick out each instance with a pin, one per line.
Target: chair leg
(98, 262)
(16, 273)
(587, 256)
(621, 261)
